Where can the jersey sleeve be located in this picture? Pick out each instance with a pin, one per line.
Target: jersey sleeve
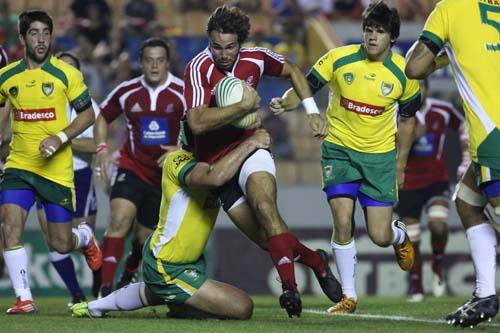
(322, 71)
(435, 33)
(178, 164)
(273, 63)
(410, 102)
(111, 108)
(197, 90)
(78, 93)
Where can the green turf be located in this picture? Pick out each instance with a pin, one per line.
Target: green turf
(268, 317)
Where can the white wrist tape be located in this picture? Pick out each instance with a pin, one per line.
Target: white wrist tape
(310, 105)
(64, 138)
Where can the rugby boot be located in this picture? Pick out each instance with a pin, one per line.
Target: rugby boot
(329, 283)
(346, 305)
(290, 301)
(93, 254)
(81, 310)
(474, 311)
(22, 308)
(405, 253)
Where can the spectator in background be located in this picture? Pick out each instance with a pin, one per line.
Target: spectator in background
(286, 13)
(92, 19)
(258, 39)
(292, 48)
(8, 26)
(315, 7)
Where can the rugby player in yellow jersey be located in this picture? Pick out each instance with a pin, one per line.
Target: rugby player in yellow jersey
(39, 166)
(359, 155)
(174, 268)
(466, 34)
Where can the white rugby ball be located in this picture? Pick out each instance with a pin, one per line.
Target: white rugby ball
(228, 91)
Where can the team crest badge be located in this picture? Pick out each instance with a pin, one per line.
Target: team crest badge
(47, 88)
(387, 88)
(348, 78)
(13, 91)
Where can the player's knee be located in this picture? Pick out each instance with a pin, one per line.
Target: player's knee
(264, 206)
(382, 239)
(414, 232)
(438, 213)
(60, 245)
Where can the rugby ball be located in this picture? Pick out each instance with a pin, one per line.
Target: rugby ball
(228, 91)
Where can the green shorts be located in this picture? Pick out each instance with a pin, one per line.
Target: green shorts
(375, 172)
(174, 283)
(17, 179)
(485, 174)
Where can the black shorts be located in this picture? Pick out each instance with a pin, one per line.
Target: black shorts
(411, 202)
(229, 193)
(145, 197)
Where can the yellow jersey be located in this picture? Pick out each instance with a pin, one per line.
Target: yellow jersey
(366, 96)
(187, 216)
(469, 31)
(39, 99)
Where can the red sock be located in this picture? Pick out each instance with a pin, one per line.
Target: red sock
(134, 258)
(112, 252)
(416, 285)
(281, 251)
(308, 257)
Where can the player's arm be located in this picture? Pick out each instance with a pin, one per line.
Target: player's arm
(301, 92)
(203, 119)
(217, 174)
(421, 61)
(102, 154)
(405, 137)
(83, 120)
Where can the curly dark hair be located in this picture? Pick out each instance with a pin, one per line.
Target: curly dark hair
(229, 20)
(378, 13)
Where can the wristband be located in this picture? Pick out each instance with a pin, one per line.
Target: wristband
(310, 105)
(101, 148)
(63, 137)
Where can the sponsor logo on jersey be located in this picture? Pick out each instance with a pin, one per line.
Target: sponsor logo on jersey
(13, 91)
(371, 76)
(31, 84)
(35, 115)
(170, 108)
(386, 88)
(47, 88)
(192, 274)
(250, 80)
(361, 108)
(349, 78)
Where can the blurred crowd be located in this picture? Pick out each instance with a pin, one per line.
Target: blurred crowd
(106, 36)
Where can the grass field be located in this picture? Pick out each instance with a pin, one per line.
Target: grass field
(374, 314)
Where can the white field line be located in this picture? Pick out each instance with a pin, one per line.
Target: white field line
(394, 318)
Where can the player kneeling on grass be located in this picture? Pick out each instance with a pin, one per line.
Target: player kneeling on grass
(174, 267)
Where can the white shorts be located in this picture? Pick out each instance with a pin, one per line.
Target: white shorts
(259, 161)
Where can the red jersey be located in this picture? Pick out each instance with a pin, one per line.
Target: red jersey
(202, 75)
(427, 161)
(153, 119)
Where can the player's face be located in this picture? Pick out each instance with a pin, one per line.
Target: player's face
(377, 42)
(154, 65)
(37, 42)
(68, 60)
(225, 49)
